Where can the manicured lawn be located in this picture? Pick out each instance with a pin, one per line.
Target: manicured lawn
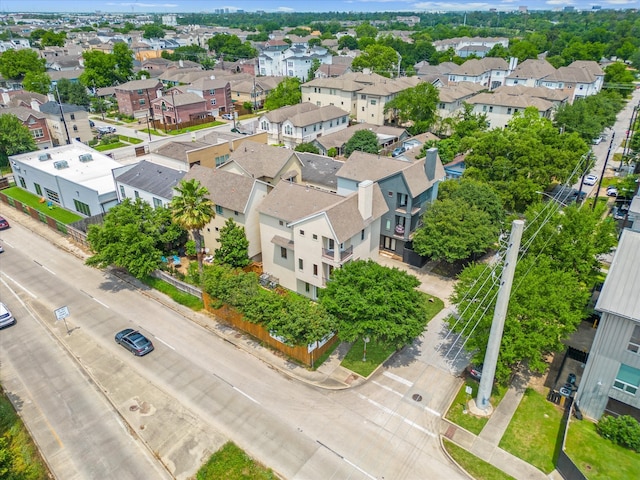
(183, 298)
(458, 412)
(109, 146)
(533, 432)
(132, 140)
(18, 454)
(60, 214)
(476, 467)
(378, 352)
(195, 127)
(597, 457)
(231, 463)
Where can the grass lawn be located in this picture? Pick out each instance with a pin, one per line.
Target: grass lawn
(476, 467)
(597, 457)
(183, 298)
(109, 146)
(231, 463)
(60, 214)
(195, 127)
(18, 454)
(379, 352)
(533, 432)
(132, 140)
(458, 412)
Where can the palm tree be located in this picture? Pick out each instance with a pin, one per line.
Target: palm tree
(192, 210)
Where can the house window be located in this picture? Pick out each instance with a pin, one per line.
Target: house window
(141, 101)
(37, 133)
(315, 270)
(213, 101)
(23, 184)
(300, 264)
(75, 128)
(82, 207)
(73, 116)
(157, 203)
(212, 92)
(634, 342)
(51, 195)
(363, 109)
(484, 108)
(363, 97)
(283, 252)
(490, 109)
(387, 225)
(307, 287)
(302, 233)
(280, 222)
(38, 188)
(235, 213)
(344, 119)
(288, 130)
(315, 237)
(362, 234)
(218, 210)
(136, 194)
(373, 102)
(627, 380)
(139, 92)
(122, 194)
(509, 111)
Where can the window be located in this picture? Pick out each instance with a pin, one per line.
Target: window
(373, 102)
(157, 203)
(627, 380)
(212, 92)
(73, 116)
(300, 264)
(302, 233)
(283, 252)
(362, 234)
(38, 188)
(315, 237)
(484, 108)
(490, 109)
(218, 210)
(213, 101)
(363, 97)
(37, 133)
(122, 194)
(387, 225)
(235, 213)
(509, 111)
(264, 125)
(315, 270)
(280, 222)
(136, 194)
(307, 287)
(634, 342)
(75, 128)
(141, 101)
(288, 130)
(82, 207)
(23, 184)
(139, 92)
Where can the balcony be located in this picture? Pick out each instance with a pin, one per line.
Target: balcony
(344, 254)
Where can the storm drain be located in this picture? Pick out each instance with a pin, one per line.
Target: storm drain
(417, 397)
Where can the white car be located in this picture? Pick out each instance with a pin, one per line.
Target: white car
(590, 179)
(227, 116)
(596, 140)
(6, 318)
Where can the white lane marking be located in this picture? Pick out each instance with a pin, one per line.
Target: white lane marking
(248, 396)
(23, 288)
(397, 378)
(359, 469)
(7, 243)
(395, 414)
(389, 389)
(49, 270)
(103, 304)
(432, 411)
(162, 341)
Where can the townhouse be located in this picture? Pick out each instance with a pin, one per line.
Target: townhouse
(150, 182)
(134, 98)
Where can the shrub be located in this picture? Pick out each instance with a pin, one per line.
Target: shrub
(623, 430)
(332, 152)
(190, 248)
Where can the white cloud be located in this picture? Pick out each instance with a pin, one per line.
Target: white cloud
(285, 9)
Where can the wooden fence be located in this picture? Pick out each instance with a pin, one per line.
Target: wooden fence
(52, 223)
(230, 315)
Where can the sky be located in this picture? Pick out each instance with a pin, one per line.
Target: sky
(188, 6)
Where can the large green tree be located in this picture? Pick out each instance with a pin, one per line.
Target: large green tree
(379, 59)
(417, 106)
(234, 246)
(73, 92)
(286, 93)
(153, 30)
(133, 236)
(589, 116)
(369, 299)
(38, 82)
(15, 138)
(364, 141)
(15, 64)
(107, 69)
(192, 210)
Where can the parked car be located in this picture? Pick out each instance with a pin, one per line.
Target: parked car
(227, 116)
(596, 140)
(612, 191)
(134, 341)
(475, 371)
(590, 179)
(106, 130)
(3, 223)
(6, 318)
(398, 151)
(1, 249)
(92, 123)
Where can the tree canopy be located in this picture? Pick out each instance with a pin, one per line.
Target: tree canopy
(379, 59)
(364, 141)
(589, 116)
(38, 82)
(234, 246)
(307, 147)
(230, 47)
(286, 93)
(369, 299)
(15, 138)
(107, 69)
(415, 106)
(15, 64)
(73, 93)
(133, 236)
(152, 30)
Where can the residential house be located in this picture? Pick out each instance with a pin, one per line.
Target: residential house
(264, 162)
(306, 232)
(501, 107)
(147, 181)
(465, 46)
(387, 136)
(35, 121)
(134, 98)
(339, 91)
(557, 97)
(216, 93)
(301, 123)
(340, 65)
(318, 171)
(490, 72)
(530, 73)
(295, 61)
(195, 152)
(372, 100)
(451, 98)
(408, 188)
(175, 107)
(611, 379)
(23, 98)
(579, 79)
(234, 196)
(67, 122)
(252, 90)
(74, 176)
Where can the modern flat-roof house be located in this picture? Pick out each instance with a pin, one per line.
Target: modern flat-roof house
(75, 177)
(611, 379)
(147, 181)
(408, 187)
(306, 233)
(234, 196)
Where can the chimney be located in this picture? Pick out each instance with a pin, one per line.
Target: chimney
(365, 199)
(181, 63)
(513, 63)
(430, 163)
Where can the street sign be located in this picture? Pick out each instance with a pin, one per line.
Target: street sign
(468, 390)
(62, 313)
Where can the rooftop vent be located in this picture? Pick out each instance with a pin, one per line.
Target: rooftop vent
(44, 156)
(60, 164)
(85, 157)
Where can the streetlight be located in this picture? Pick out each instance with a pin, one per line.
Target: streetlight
(365, 340)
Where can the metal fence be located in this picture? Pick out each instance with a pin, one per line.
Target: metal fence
(182, 286)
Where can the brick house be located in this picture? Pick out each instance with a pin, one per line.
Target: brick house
(135, 97)
(176, 107)
(216, 93)
(35, 121)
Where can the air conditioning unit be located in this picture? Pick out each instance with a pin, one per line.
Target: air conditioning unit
(44, 156)
(85, 157)
(60, 164)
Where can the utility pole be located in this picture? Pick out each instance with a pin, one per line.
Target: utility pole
(499, 315)
(64, 121)
(604, 167)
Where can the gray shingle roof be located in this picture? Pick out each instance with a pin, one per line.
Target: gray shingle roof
(150, 177)
(53, 108)
(143, 84)
(319, 170)
(179, 150)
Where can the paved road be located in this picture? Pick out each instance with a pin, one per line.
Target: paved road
(196, 390)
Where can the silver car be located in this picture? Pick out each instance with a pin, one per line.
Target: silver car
(6, 318)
